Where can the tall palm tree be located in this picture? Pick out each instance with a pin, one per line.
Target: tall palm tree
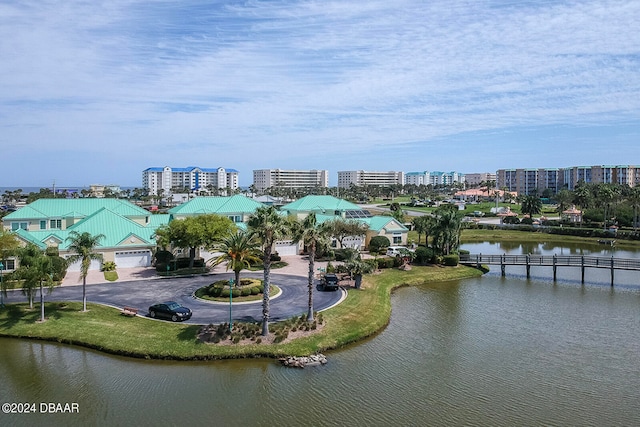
(239, 250)
(267, 225)
(531, 205)
(447, 229)
(35, 270)
(312, 235)
(82, 246)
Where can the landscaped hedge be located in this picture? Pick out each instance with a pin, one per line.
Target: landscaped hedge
(450, 260)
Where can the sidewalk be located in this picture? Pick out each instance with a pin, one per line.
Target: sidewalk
(297, 266)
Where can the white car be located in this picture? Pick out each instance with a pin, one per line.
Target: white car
(394, 250)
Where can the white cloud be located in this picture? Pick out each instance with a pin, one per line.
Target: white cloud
(346, 81)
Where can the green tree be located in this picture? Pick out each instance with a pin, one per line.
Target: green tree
(633, 197)
(9, 245)
(423, 225)
(194, 232)
(239, 250)
(447, 229)
(83, 246)
(312, 235)
(340, 229)
(357, 268)
(606, 196)
(564, 199)
(531, 205)
(35, 270)
(267, 225)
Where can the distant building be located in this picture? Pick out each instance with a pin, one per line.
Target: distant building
(528, 181)
(474, 179)
(267, 178)
(362, 178)
(433, 178)
(193, 178)
(99, 190)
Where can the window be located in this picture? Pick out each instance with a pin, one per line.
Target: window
(15, 226)
(235, 218)
(55, 223)
(397, 240)
(43, 224)
(9, 264)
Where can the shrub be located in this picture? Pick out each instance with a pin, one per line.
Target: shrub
(276, 257)
(526, 221)
(163, 257)
(330, 268)
(511, 220)
(108, 266)
(255, 290)
(59, 267)
(451, 260)
(237, 293)
(378, 242)
(245, 292)
(423, 255)
(224, 293)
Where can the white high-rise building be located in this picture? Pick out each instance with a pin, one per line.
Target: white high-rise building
(194, 178)
(266, 178)
(362, 178)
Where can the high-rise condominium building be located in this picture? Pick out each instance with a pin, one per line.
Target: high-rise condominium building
(266, 178)
(474, 179)
(194, 178)
(362, 178)
(528, 181)
(433, 178)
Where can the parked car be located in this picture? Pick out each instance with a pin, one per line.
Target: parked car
(329, 282)
(170, 310)
(394, 250)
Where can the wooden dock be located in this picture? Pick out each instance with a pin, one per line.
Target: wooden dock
(554, 261)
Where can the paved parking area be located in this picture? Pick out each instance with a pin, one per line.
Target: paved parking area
(141, 288)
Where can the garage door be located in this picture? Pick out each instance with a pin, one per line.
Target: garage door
(286, 248)
(95, 265)
(130, 259)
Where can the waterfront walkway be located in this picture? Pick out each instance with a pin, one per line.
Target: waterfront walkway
(553, 261)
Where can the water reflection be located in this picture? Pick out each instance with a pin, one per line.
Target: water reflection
(498, 351)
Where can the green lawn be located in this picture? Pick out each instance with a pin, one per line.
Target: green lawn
(363, 313)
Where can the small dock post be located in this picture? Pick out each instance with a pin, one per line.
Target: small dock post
(555, 267)
(503, 267)
(582, 267)
(612, 270)
(528, 266)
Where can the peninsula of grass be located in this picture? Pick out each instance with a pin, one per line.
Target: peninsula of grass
(363, 313)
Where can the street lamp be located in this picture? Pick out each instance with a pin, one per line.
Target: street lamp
(1, 288)
(230, 303)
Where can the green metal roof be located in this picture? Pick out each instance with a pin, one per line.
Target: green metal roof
(323, 204)
(74, 208)
(238, 204)
(117, 230)
(378, 223)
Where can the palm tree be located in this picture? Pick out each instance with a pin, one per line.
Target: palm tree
(423, 225)
(239, 250)
(446, 230)
(531, 205)
(313, 235)
(35, 270)
(267, 225)
(82, 245)
(634, 199)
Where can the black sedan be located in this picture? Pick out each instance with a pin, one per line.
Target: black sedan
(169, 310)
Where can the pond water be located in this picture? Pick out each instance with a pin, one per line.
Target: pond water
(495, 351)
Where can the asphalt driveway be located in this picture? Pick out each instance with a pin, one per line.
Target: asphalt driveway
(143, 293)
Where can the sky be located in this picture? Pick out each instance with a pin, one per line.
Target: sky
(94, 92)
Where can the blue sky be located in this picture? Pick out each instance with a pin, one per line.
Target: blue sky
(97, 91)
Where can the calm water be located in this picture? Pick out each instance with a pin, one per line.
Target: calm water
(490, 351)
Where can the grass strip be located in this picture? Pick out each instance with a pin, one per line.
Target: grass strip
(363, 313)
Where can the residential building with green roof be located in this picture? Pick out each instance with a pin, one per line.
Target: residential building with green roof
(129, 231)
